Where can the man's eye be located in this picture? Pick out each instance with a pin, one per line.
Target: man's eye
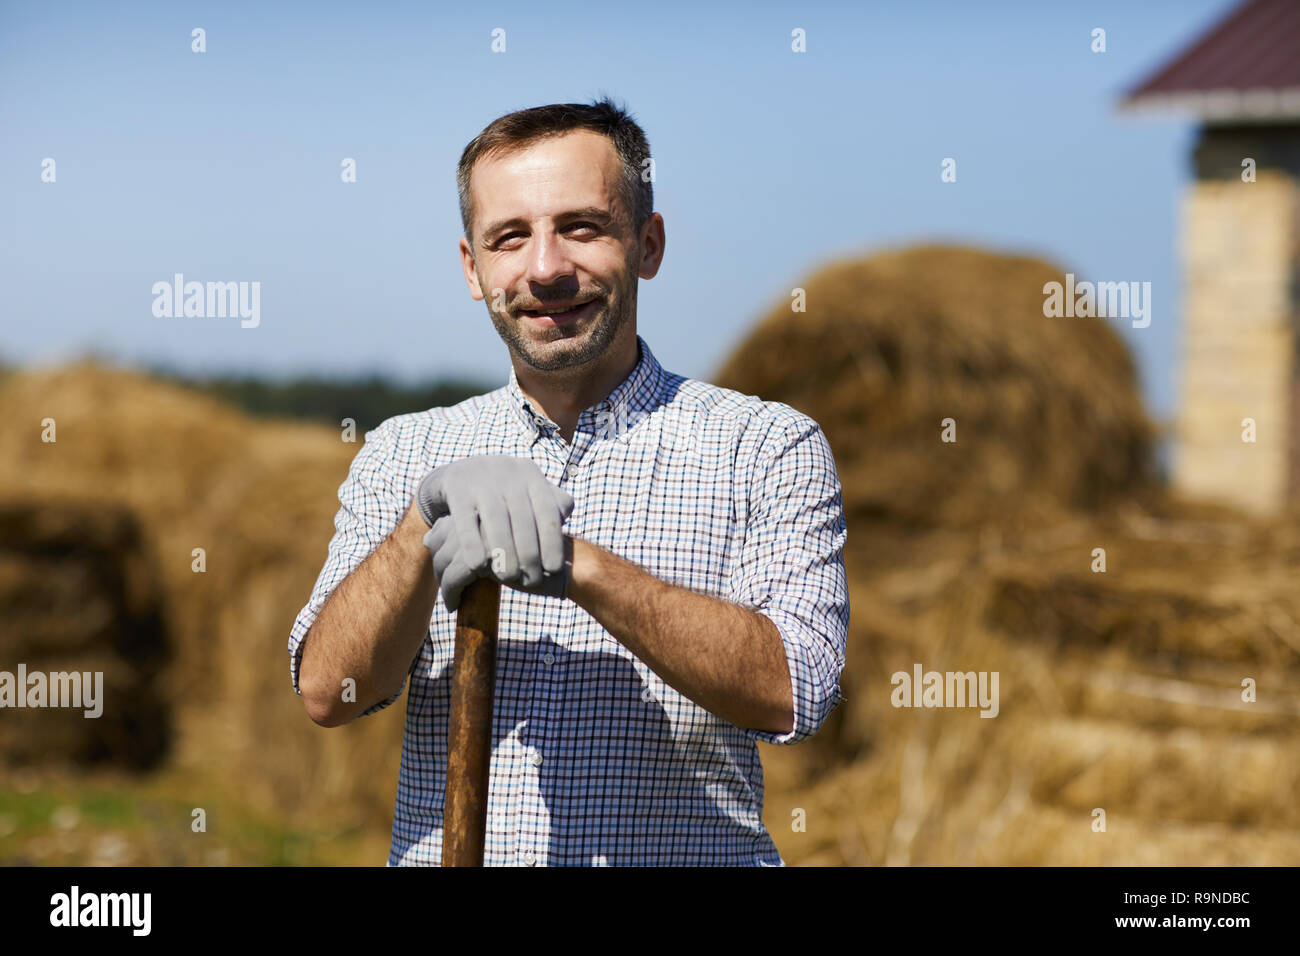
(577, 225)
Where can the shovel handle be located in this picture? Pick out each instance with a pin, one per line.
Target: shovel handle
(469, 728)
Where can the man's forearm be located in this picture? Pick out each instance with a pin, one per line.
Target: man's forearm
(729, 660)
(371, 627)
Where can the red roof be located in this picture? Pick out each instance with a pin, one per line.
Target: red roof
(1246, 67)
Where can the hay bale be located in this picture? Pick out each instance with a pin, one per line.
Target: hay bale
(77, 595)
(1047, 410)
(259, 497)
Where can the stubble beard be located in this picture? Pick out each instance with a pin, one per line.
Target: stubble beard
(583, 345)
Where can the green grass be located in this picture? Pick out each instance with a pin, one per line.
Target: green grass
(52, 820)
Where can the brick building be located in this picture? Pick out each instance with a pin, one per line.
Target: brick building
(1240, 252)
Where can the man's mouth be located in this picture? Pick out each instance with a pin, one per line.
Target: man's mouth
(560, 312)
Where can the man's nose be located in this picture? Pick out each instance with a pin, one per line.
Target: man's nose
(549, 259)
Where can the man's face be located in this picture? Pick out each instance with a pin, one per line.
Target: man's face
(551, 232)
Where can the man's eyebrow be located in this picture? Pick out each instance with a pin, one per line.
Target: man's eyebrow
(587, 212)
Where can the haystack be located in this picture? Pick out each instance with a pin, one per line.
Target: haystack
(1046, 410)
(259, 499)
(1122, 735)
(78, 597)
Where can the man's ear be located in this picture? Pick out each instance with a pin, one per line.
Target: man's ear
(471, 273)
(652, 246)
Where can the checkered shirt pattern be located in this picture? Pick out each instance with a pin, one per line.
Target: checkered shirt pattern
(595, 760)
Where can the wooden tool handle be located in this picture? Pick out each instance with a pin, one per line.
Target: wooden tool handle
(469, 730)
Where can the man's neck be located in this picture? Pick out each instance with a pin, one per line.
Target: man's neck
(563, 396)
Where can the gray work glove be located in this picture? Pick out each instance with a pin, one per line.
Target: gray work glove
(454, 575)
(506, 520)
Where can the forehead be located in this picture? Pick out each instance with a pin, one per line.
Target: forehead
(578, 168)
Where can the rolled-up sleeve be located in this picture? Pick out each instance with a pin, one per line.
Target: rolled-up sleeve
(792, 566)
(368, 511)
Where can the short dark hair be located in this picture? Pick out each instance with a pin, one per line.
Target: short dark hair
(518, 129)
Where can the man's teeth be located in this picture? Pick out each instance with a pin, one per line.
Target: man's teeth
(554, 312)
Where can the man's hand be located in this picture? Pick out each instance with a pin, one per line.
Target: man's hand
(498, 515)
(454, 575)
(451, 572)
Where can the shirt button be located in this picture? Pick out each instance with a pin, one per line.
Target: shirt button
(530, 858)
(647, 695)
(535, 759)
(569, 472)
(548, 658)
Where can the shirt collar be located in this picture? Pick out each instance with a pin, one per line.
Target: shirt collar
(636, 396)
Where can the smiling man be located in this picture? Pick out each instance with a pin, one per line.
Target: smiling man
(673, 551)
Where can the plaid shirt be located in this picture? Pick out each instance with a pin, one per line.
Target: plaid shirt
(595, 759)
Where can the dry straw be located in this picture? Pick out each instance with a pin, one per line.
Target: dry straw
(1120, 691)
(259, 498)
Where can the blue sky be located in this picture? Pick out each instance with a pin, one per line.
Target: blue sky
(225, 165)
